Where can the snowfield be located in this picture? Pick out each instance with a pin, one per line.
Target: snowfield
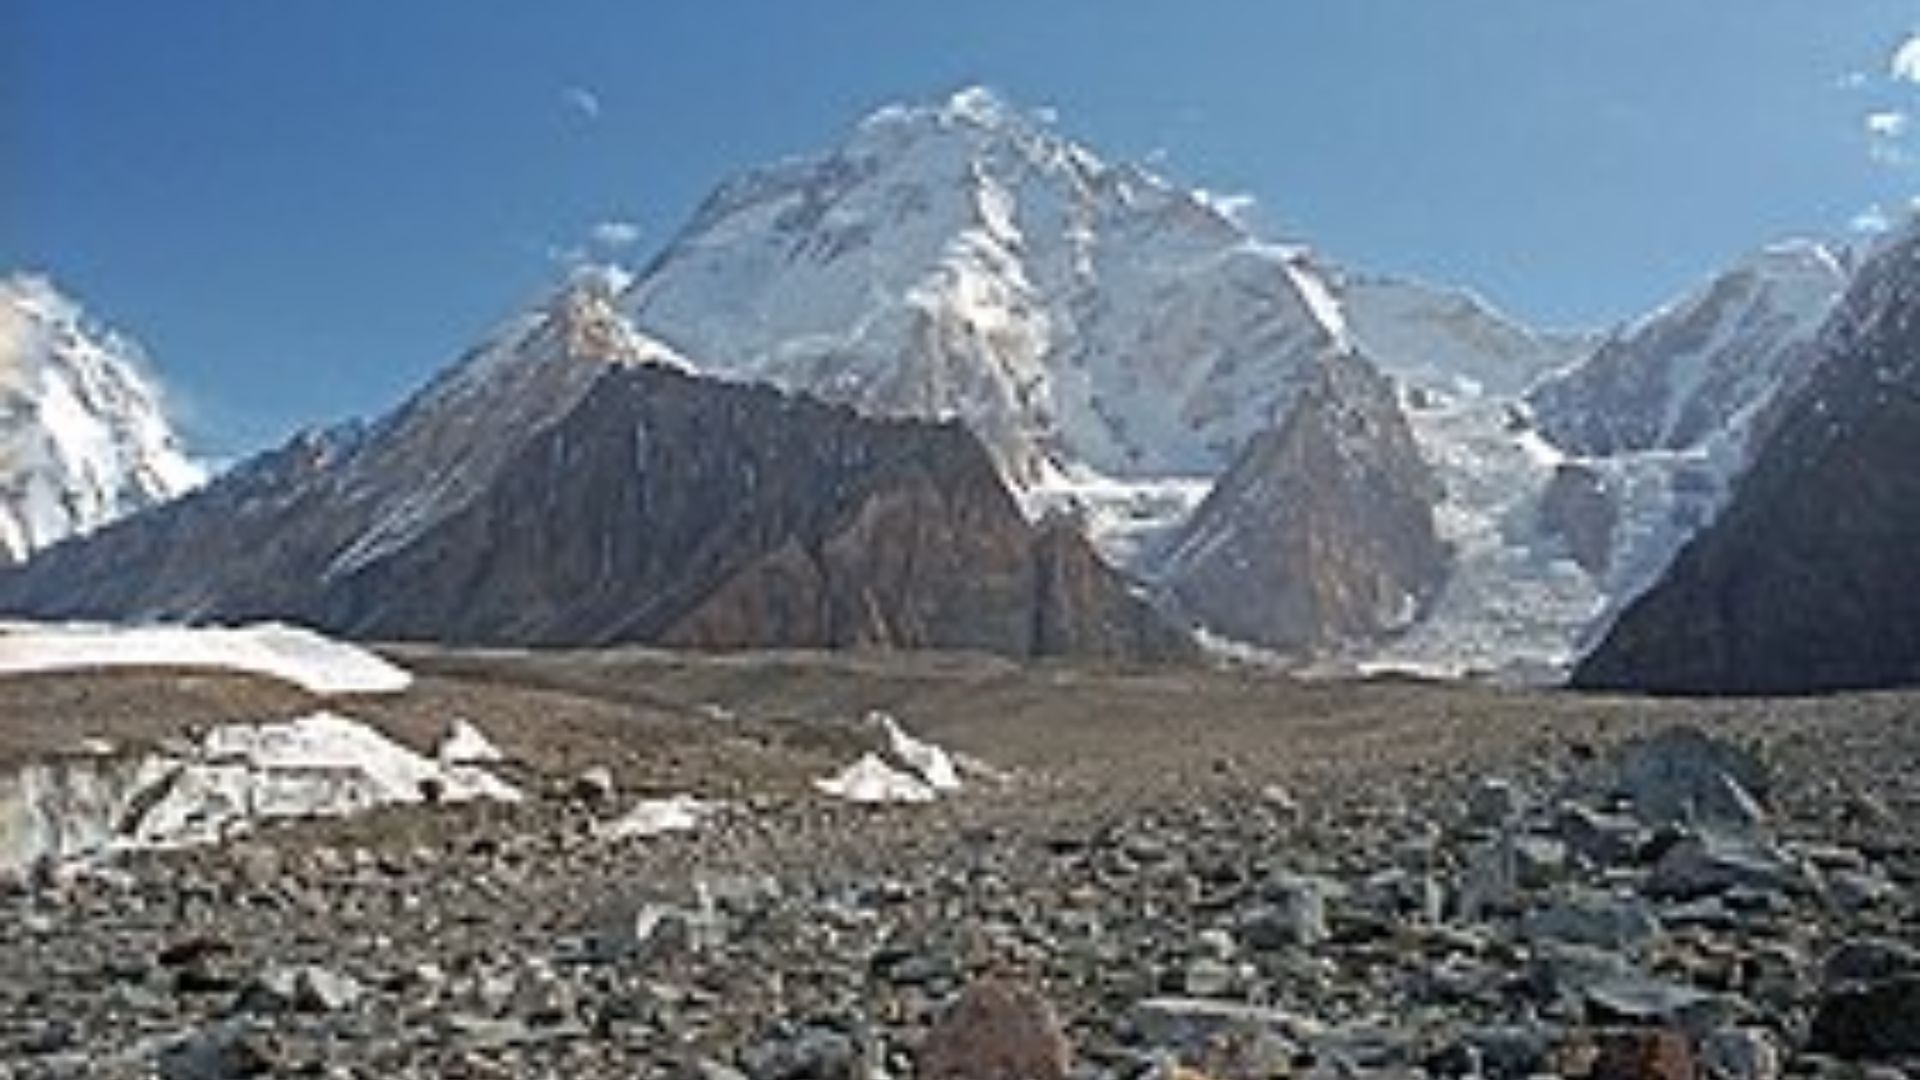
(301, 657)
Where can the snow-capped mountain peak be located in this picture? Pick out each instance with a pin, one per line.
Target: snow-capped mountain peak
(1702, 364)
(83, 435)
(962, 259)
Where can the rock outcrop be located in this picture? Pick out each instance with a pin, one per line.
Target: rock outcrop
(626, 502)
(1806, 581)
(1322, 532)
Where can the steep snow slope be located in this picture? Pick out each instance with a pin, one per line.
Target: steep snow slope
(82, 436)
(962, 260)
(1449, 339)
(1699, 370)
(301, 657)
(1117, 340)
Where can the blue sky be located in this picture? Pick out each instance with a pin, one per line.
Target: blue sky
(305, 207)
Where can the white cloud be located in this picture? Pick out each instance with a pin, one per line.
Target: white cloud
(1905, 63)
(1888, 124)
(1852, 80)
(583, 101)
(615, 235)
(1870, 221)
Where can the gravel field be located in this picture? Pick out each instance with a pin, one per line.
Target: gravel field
(1233, 870)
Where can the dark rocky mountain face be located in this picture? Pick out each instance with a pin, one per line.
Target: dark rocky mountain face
(672, 509)
(1321, 533)
(1808, 580)
(659, 507)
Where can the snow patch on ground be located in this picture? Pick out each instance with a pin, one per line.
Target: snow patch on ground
(657, 817)
(871, 780)
(290, 654)
(467, 745)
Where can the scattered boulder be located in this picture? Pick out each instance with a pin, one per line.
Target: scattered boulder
(1641, 999)
(1601, 838)
(594, 786)
(1867, 959)
(1702, 864)
(1587, 917)
(1248, 1039)
(1878, 1019)
(1294, 913)
(1740, 1053)
(813, 1053)
(1493, 803)
(1643, 1054)
(226, 1051)
(306, 988)
(1683, 775)
(997, 1030)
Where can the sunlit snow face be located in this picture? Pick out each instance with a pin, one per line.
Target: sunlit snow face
(17, 338)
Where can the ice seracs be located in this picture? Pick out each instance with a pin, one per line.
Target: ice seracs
(906, 770)
(934, 765)
(237, 776)
(465, 744)
(84, 437)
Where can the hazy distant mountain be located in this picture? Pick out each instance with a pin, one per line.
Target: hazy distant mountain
(83, 438)
(568, 483)
(1807, 581)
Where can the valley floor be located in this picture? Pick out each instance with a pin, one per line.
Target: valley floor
(1237, 870)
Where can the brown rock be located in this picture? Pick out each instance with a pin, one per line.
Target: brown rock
(645, 505)
(997, 1030)
(1646, 1054)
(1322, 531)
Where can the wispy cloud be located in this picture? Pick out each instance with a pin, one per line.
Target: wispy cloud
(1888, 124)
(1886, 137)
(1870, 221)
(583, 101)
(614, 234)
